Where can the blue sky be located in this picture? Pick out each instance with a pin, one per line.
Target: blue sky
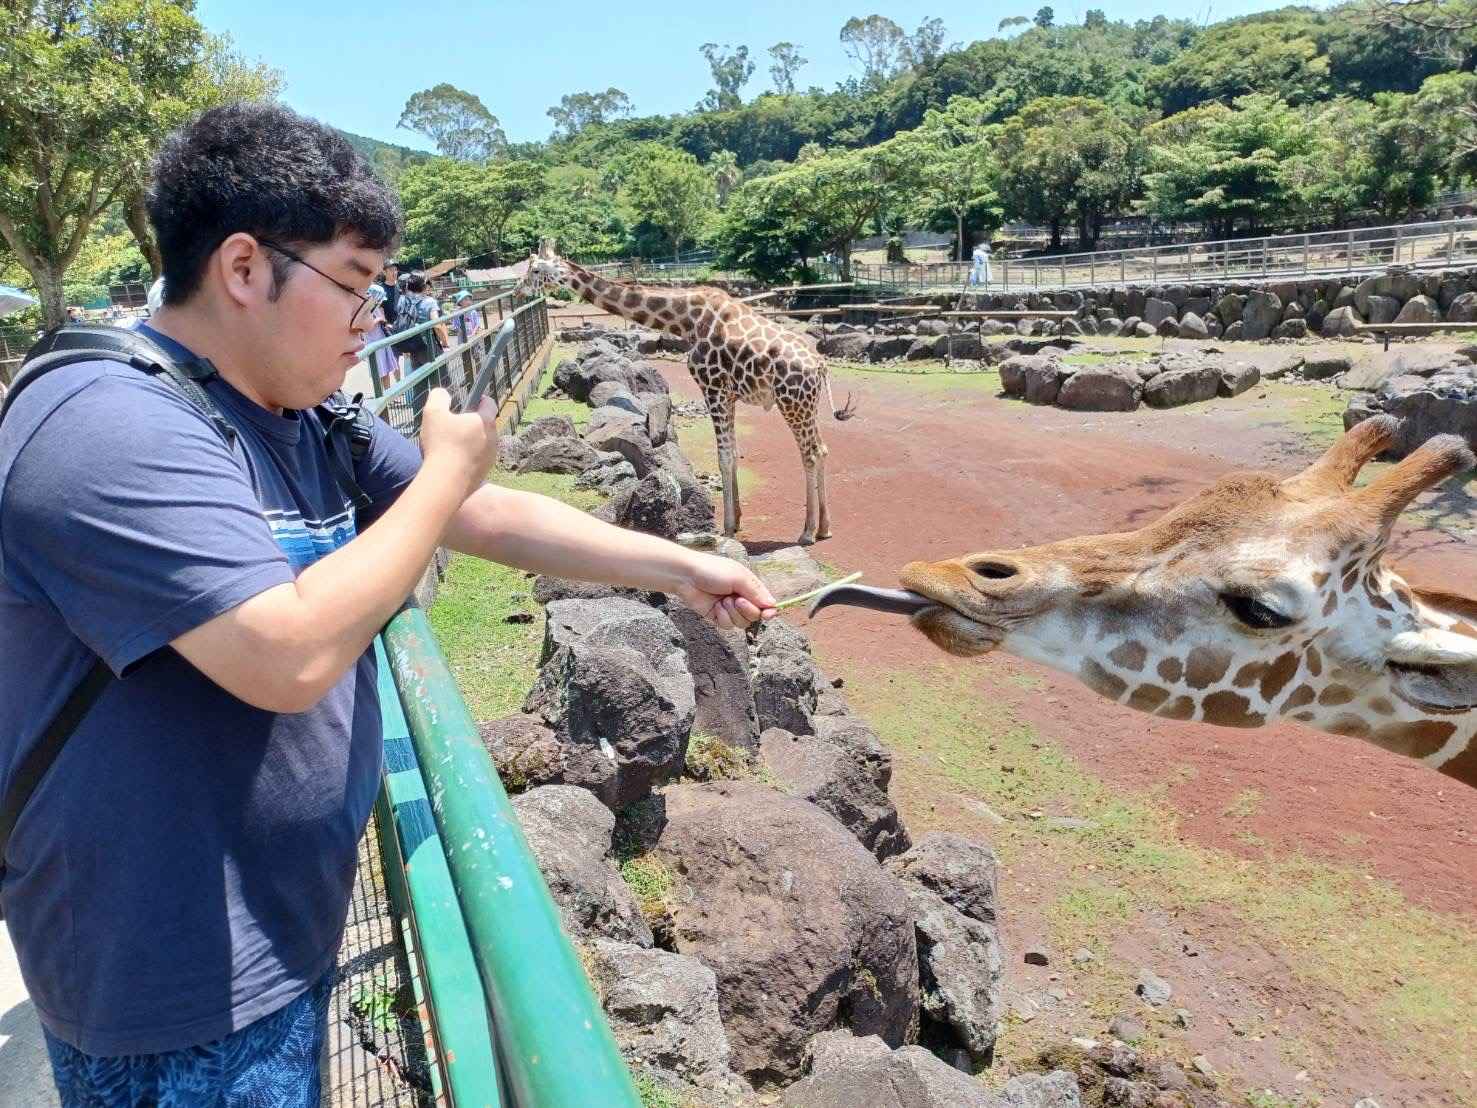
(354, 65)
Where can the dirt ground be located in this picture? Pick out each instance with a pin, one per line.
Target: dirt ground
(1312, 899)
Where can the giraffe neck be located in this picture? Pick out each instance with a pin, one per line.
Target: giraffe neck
(671, 310)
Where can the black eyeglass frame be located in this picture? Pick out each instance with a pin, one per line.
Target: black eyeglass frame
(364, 301)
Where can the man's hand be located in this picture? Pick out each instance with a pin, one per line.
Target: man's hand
(725, 592)
(465, 444)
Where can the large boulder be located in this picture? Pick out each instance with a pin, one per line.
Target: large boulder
(613, 431)
(1341, 323)
(964, 347)
(1157, 311)
(1382, 309)
(576, 378)
(525, 751)
(1044, 377)
(1182, 386)
(1193, 327)
(617, 394)
(846, 346)
(1058, 1089)
(840, 773)
(1320, 367)
(569, 832)
(663, 1011)
(1263, 311)
(719, 663)
(803, 928)
(1444, 404)
(556, 455)
(1237, 378)
(1399, 287)
(1168, 328)
(850, 1072)
(614, 685)
(1229, 308)
(960, 967)
(784, 678)
(1291, 329)
(653, 505)
(1419, 309)
(960, 870)
(1101, 388)
(1463, 309)
(886, 348)
(547, 427)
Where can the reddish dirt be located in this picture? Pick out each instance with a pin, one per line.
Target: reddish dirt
(927, 473)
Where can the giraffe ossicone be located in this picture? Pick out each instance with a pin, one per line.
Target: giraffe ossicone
(1258, 598)
(737, 355)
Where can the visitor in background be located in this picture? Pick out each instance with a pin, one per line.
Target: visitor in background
(417, 307)
(979, 273)
(383, 362)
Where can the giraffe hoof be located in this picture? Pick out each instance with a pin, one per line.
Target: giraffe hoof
(805, 540)
(822, 535)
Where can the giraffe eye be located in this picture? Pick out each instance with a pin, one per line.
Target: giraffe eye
(1254, 613)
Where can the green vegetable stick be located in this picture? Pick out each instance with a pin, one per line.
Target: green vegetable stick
(813, 593)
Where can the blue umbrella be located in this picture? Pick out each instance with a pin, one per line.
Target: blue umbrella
(13, 300)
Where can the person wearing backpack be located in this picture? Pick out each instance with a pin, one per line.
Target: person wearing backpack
(194, 562)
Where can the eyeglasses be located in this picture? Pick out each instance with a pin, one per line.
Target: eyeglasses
(366, 305)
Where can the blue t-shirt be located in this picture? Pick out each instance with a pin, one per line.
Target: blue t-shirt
(186, 866)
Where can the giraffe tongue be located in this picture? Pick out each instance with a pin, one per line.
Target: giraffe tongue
(900, 601)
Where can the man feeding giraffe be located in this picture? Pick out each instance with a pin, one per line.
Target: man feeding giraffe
(736, 355)
(1256, 599)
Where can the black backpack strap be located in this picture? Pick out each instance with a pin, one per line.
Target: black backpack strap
(343, 418)
(43, 755)
(95, 342)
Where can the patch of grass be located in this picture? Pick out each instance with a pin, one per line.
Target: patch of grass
(1339, 930)
(653, 1093)
(486, 619)
(650, 881)
(711, 759)
(375, 1004)
(1245, 805)
(1313, 410)
(1097, 357)
(1084, 910)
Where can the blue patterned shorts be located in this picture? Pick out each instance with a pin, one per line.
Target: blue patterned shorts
(272, 1063)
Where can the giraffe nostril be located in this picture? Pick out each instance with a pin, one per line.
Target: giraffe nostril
(993, 569)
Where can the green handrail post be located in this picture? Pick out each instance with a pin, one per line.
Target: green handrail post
(556, 1047)
(419, 883)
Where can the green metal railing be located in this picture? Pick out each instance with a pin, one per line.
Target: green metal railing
(501, 976)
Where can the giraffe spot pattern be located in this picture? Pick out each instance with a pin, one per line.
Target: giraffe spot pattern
(1100, 680)
(1418, 739)
(1231, 709)
(1170, 670)
(1335, 695)
(1130, 655)
(1205, 666)
(1278, 674)
(1146, 698)
(1302, 695)
(1182, 707)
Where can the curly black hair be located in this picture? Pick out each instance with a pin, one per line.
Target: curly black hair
(265, 170)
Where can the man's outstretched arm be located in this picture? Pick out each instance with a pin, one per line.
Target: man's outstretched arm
(541, 534)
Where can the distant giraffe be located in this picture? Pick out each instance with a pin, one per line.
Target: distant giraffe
(1260, 598)
(736, 355)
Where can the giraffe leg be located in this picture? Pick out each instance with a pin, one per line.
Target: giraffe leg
(721, 411)
(823, 527)
(807, 438)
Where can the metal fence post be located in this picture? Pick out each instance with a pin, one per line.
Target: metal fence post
(1349, 252)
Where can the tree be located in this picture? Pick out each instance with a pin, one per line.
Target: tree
(731, 71)
(953, 166)
(1447, 104)
(776, 222)
(1278, 55)
(1095, 18)
(457, 208)
(572, 207)
(878, 45)
(668, 189)
(1045, 17)
(1011, 22)
(787, 63)
(926, 44)
(1223, 165)
(1065, 157)
(456, 121)
(724, 169)
(579, 110)
(86, 84)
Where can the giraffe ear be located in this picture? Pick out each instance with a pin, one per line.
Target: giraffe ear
(1434, 670)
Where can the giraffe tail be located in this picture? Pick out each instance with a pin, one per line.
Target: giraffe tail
(840, 413)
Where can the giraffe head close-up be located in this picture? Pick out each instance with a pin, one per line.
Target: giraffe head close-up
(1260, 597)
(546, 271)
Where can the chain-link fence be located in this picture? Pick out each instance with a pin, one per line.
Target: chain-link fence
(455, 369)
